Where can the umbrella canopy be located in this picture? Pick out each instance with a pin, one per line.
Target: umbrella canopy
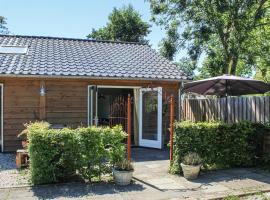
(227, 85)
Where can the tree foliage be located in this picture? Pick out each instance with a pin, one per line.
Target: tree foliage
(260, 51)
(125, 24)
(225, 31)
(3, 28)
(187, 66)
(168, 45)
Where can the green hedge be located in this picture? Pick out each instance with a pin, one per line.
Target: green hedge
(56, 155)
(220, 145)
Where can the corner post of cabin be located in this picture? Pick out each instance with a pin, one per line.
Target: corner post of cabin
(42, 100)
(171, 127)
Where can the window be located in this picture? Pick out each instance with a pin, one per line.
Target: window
(13, 49)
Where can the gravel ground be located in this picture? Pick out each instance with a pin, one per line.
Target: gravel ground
(9, 175)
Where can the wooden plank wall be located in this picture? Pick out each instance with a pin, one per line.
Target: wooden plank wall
(255, 109)
(66, 103)
(21, 105)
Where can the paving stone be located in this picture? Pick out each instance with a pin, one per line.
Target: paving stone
(153, 166)
(160, 181)
(239, 184)
(213, 188)
(170, 186)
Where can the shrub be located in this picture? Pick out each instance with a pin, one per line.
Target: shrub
(100, 148)
(219, 145)
(32, 126)
(53, 154)
(56, 155)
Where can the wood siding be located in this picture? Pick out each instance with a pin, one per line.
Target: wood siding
(21, 105)
(65, 103)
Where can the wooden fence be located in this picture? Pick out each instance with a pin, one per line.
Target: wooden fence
(256, 109)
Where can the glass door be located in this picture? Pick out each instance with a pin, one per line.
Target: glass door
(150, 126)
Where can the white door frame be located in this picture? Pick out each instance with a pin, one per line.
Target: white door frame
(2, 117)
(151, 143)
(90, 103)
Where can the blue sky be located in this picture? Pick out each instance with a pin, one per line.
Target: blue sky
(67, 18)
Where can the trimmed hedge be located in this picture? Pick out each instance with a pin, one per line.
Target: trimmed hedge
(56, 154)
(220, 145)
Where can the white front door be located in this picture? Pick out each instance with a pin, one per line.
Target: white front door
(150, 121)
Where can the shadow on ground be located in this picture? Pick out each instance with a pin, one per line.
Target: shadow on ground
(7, 161)
(79, 190)
(140, 154)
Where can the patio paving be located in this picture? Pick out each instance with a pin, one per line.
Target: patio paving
(154, 172)
(151, 181)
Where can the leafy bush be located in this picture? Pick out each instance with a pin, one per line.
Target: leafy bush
(33, 126)
(192, 159)
(100, 148)
(53, 154)
(56, 154)
(219, 145)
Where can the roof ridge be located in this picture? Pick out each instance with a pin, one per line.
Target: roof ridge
(74, 39)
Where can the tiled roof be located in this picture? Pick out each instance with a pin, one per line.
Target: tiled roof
(51, 56)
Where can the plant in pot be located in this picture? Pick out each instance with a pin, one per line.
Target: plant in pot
(23, 137)
(122, 172)
(191, 165)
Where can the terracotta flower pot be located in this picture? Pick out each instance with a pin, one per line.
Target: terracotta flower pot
(191, 171)
(122, 177)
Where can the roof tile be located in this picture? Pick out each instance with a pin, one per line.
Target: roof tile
(81, 57)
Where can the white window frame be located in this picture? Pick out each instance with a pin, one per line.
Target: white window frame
(89, 116)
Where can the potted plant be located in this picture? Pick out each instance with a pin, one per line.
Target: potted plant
(122, 172)
(23, 137)
(191, 165)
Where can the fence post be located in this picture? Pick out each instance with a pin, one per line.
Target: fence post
(171, 127)
(129, 128)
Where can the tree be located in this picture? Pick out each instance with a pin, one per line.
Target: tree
(168, 45)
(186, 65)
(223, 30)
(125, 24)
(3, 28)
(260, 54)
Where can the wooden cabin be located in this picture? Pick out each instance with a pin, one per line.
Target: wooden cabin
(80, 82)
